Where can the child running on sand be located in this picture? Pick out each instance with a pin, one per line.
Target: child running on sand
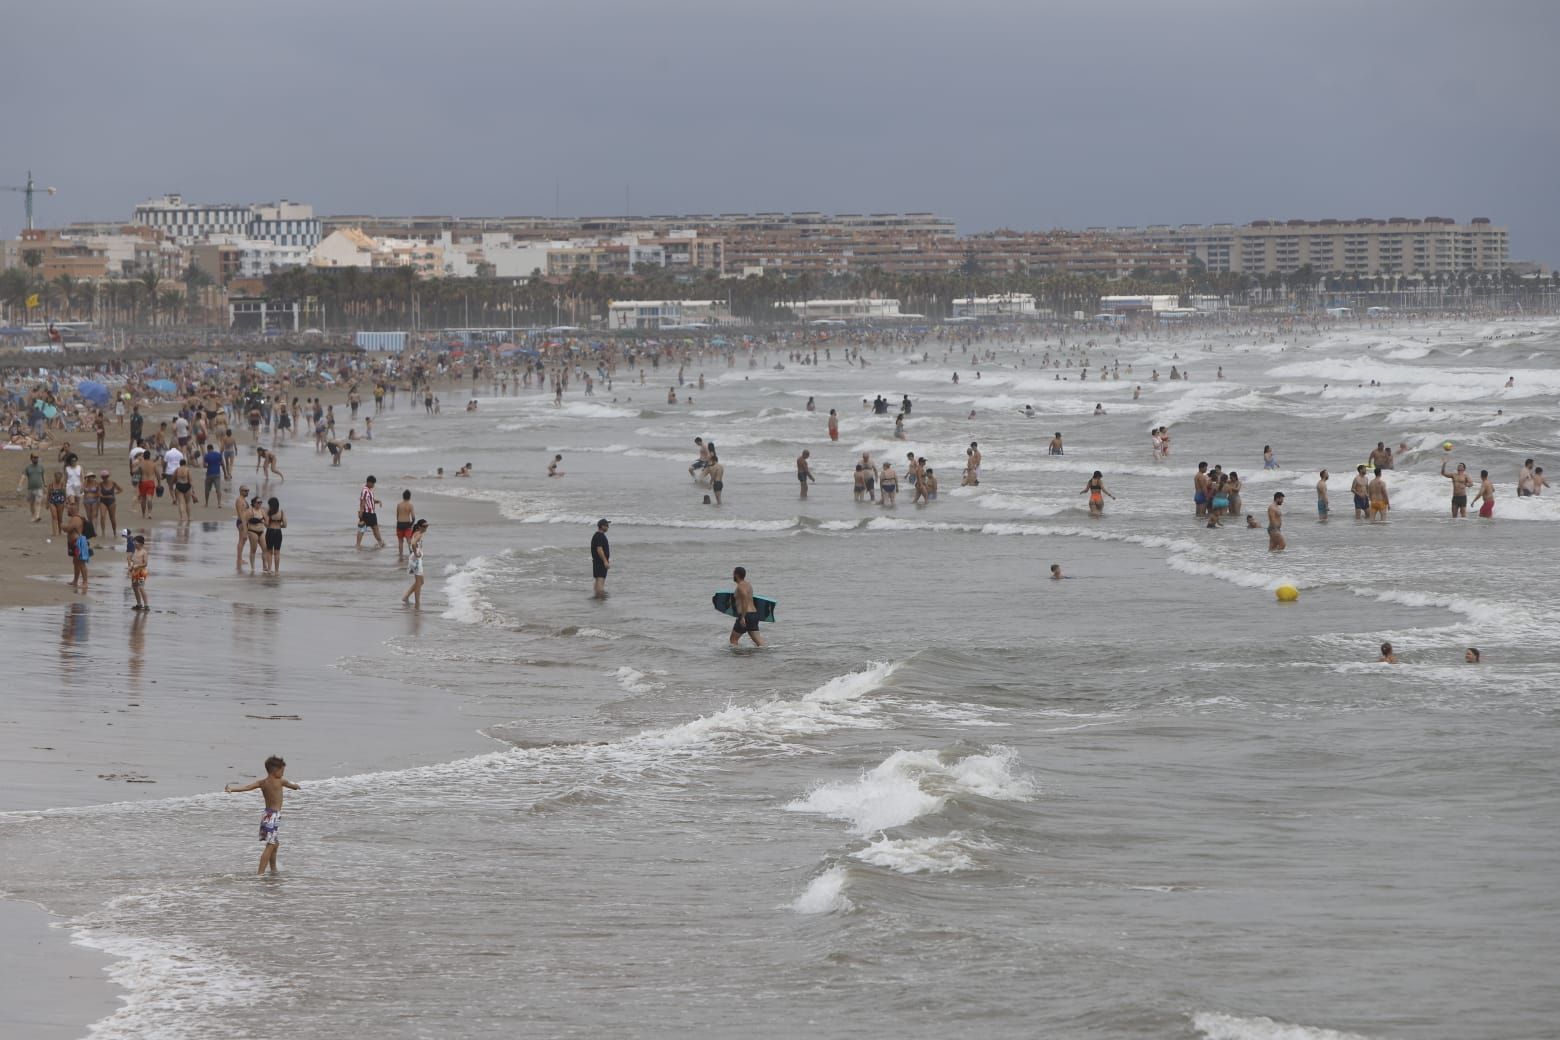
(270, 786)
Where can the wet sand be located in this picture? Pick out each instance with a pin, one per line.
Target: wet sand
(50, 988)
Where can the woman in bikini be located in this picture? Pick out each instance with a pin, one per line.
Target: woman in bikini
(254, 530)
(1095, 489)
(275, 521)
(181, 491)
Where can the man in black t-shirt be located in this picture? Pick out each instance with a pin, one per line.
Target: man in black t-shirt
(600, 557)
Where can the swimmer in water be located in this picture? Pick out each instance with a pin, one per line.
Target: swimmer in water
(1472, 655)
(1387, 656)
(1056, 572)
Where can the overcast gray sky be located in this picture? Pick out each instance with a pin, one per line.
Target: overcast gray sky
(1019, 114)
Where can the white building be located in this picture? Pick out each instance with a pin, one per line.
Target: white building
(657, 314)
(862, 309)
(347, 247)
(286, 223)
(1133, 304)
(1006, 305)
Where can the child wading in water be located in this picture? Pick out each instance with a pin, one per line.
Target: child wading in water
(270, 822)
(135, 566)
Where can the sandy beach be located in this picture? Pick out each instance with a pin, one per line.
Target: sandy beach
(177, 701)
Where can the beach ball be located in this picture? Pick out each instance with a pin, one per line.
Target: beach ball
(1446, 445)
(1286, 593)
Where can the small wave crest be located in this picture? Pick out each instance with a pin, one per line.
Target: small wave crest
(911, 784)
(824, 894)
(1218, 1026)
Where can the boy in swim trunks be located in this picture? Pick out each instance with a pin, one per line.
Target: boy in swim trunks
(270, 786)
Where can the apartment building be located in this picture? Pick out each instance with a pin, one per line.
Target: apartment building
(285, 223)
(1395, 246)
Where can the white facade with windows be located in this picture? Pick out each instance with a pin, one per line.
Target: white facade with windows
(1006, 305)
(656, 314)
(285, 223)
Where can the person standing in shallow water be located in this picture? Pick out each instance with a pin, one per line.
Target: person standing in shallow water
(747, 610)
(804, 470)
(600, 557)
(1275, 524)
(270, 786)
(1095, 489)
(414, 567)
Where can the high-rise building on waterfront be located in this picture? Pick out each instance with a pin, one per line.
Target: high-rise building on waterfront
(1396, 246)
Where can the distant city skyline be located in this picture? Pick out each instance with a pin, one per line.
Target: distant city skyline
(993, 116)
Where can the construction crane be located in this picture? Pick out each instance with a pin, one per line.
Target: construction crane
(29, 190)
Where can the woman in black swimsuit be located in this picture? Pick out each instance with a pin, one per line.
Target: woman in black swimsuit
(275, 520)
(181, 491)
(254, 530)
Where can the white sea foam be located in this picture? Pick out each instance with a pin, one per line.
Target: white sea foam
(463, 589)
(622, 522)
(931, 855)
(169, 990)
(911, 784)
(635, 681)
(839, 703)
(825, 894)
(1218, 1026)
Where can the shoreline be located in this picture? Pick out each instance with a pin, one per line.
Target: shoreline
(177, 727)
(50, 986)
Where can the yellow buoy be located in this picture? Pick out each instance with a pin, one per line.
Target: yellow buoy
(1286, 593)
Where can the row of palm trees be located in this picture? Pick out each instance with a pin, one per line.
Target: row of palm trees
(354, 298)
(145, 301)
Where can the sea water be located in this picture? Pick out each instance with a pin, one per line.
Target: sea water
(951, 797)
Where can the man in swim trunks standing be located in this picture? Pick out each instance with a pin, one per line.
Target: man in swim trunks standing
(1322, 505)
(717, 471)
(1360, 488)
(803, 470)
(1200, 484)
(1275, 517)
(270, 786)
(1380, 501)
(368, 514)
(747, 610)
(1460, 482)
(600, 557)
(1486, 495)
(405, 517)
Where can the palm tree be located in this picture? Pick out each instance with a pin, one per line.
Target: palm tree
(148, 281)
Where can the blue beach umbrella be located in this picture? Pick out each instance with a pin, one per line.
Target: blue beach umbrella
(266, 367)
(327, 377)
(93, 391)
(162, 386)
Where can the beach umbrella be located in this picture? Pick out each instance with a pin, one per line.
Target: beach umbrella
(327, 377)
(92, 391)
(266, 367)
(162, 386)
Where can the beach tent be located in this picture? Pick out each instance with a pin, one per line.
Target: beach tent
(93, 391)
